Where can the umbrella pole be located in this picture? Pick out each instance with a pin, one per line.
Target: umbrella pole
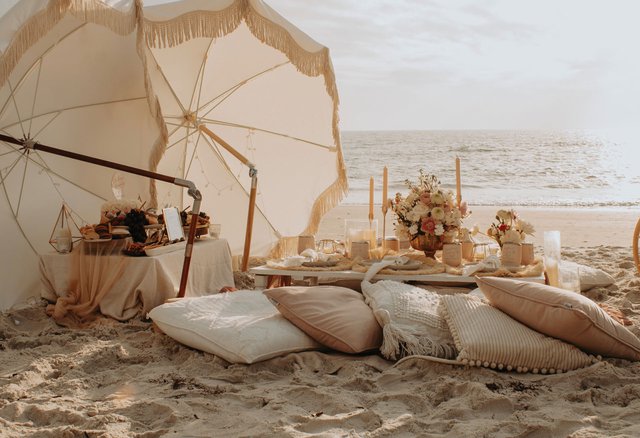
(192, 190)
(253, 173)
(190, 238)
(252, 207)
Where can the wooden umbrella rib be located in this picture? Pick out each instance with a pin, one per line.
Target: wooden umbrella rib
(15, 104)
(72, 108)
(35, 98)
(200, 79)
(175, 96)
(13, 165)
(209, 142)
(228, 92)
(24, 175)
(38, 60)
(17, 221)
(50, 172)
(267, 131)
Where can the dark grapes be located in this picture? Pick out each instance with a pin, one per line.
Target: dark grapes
(136, 220)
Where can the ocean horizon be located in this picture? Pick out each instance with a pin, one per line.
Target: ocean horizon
(500, 167)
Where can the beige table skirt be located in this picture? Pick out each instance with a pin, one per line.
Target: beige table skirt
(123, 287)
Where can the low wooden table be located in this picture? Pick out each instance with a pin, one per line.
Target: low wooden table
(314, 277)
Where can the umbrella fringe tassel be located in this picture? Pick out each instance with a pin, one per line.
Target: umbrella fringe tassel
(90, 11)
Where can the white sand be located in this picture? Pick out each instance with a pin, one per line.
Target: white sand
(123, 379)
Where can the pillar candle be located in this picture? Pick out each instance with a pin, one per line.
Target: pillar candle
(385, 182)
(458, 185)
(371, 199)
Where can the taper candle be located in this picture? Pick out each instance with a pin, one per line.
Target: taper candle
(385, 178)
(371, 199)
(458, 185)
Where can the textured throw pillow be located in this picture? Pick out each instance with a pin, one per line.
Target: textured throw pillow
(334, 316)
(240, 327)
(410, 321)
(487, 337)
(562, 314)
(591, 277)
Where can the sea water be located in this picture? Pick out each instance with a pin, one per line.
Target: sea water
(503, 168)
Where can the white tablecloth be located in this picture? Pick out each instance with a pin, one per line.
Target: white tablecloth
(147, 281)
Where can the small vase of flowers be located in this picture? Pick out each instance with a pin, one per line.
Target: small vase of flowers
(509, 228)
(428, 216)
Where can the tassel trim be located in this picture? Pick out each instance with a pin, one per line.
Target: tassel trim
(36, 27)
(399, 342)
(212, 24)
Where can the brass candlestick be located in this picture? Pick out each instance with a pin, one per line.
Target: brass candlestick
(385, 208)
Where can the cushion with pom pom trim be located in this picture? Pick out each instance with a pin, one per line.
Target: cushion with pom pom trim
(487, 337)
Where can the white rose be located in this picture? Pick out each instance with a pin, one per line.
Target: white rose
(511, 236)
(421, 209)
(413, 215)
(437, 213)
(413, 229)
(402, 230)
(439, 230)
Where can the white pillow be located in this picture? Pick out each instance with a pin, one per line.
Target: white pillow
(411, 324)
(591, 277)
(240, 327)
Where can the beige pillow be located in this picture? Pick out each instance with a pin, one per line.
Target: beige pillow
(487, 337)
(334, 316)
(562, 314)
(591, 277)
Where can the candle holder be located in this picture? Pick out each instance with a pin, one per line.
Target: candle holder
(62, 238)
(358, 230)
(385, 208)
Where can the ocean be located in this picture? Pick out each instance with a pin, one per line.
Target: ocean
(502, 168)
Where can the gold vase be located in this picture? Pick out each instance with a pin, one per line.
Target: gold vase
(428, 244)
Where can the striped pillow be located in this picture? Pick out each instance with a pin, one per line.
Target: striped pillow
(485, 336)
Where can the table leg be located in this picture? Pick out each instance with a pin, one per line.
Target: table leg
(278, 281)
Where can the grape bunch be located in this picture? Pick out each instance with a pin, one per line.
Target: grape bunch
(136, 220)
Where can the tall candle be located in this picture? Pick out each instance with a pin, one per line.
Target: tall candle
(371, 199)
(385, 177)
(458, 185)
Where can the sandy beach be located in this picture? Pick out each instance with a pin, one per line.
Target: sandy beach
(126, 380)
(579, 227)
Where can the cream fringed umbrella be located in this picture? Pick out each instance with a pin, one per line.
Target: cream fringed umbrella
(241, 89)
(70, 77)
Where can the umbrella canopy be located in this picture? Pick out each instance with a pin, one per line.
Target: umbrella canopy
(239, 71)
(70, 77)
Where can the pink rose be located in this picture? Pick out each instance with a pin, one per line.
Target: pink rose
(425, 198)
(428, 225)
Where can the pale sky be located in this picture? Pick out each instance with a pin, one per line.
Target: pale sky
(447, 64)
(477, 64)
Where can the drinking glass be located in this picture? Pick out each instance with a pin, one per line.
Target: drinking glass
(552, 256)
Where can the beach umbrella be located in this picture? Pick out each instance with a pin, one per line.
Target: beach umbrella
(240, 90)
(70, 77)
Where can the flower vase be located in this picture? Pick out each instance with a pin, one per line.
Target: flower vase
(428, 244)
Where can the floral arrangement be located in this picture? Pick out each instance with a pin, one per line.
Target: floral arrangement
(428, 210)
(509, 228)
